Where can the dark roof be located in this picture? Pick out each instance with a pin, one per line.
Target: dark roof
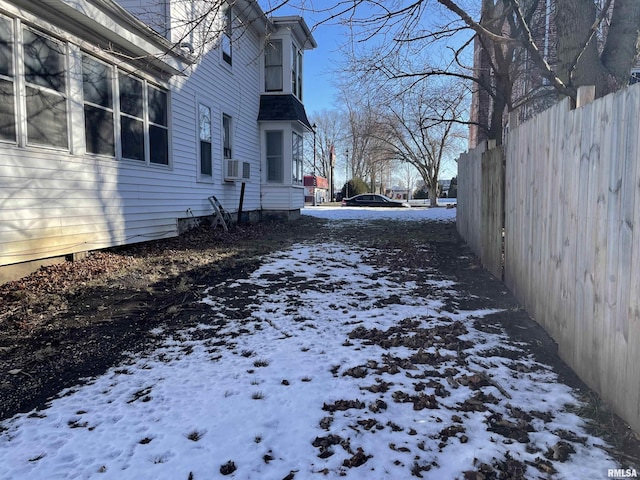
(282, 107)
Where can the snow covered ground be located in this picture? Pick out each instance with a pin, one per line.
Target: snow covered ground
(301, 374)
(360, 213)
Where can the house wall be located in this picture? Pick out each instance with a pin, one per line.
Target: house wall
(56, 201)
(228, 90)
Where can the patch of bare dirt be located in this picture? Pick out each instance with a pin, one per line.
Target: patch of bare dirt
(77, 319)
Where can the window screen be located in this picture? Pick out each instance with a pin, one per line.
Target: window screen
(7, 90)
(97, 92)
(158, 130)
(273, 66)
(45, 78)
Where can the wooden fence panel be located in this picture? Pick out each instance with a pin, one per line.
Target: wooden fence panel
(628, 153)
(585, 259)
(572, 239)
(468, 216)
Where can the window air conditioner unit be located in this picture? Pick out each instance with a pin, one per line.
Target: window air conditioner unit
(231, 170)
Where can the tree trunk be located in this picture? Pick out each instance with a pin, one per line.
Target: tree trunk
(621, 47)
(574, 19)
(433, 194)
(610, 70)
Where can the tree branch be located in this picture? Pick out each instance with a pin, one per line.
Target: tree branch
(530, 44)
(589, 37)
(479, 29)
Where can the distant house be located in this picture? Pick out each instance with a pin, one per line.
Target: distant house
(112, 132)
(398, 193)
(317, 187)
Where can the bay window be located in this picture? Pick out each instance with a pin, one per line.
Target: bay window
(131, 117)
(143, 121)
(124, 115)
(158, 126)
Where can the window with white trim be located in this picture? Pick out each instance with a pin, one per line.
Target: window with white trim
(131, 117)
(635, 76)
(119, 109)
(297, 159)
(144, 130)
(158, 126)
(45, 77)
(204, 120)
(275, 156)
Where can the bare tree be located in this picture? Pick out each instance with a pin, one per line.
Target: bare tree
(418, 129)
(361, 114)
(407, 176)
(329, 133)
(534, 50)
(370, 160)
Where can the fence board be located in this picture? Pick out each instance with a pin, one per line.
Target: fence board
(633, 313)
(585, 260)
(628, 155)
(492, 208)
(613, 235)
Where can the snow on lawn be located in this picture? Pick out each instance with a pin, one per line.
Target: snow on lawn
(315, 366)
(393, 213)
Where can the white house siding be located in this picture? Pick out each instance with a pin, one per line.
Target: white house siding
(232, 91)
(280, 199)
(56, 202)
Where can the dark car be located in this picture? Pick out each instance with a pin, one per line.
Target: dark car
(372, 200)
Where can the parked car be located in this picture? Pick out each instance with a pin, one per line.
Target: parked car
(372, 200)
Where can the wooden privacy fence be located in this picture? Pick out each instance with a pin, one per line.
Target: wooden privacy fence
(572, 235)
(480, 217)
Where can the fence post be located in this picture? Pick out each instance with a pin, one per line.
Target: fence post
(586, 95)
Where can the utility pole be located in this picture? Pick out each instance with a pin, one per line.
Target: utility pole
(346, 176)
(332, 163)
(315, 181)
